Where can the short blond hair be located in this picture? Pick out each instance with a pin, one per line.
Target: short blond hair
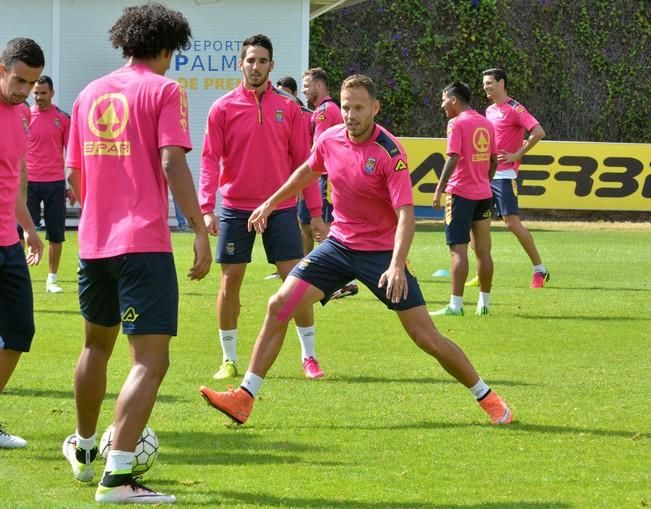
(360, 81)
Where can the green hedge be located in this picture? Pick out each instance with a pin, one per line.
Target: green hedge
(583, 67)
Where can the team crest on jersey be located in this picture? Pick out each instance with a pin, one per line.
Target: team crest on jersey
(369, 167)
(130, 315)
(280, 115)
(230, 248)
(56, 122)
(304, 263)
(25, 125)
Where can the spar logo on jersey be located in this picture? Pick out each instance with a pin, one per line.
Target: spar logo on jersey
(481, 143)
(280, 116)
(369, 167)
(107, 119)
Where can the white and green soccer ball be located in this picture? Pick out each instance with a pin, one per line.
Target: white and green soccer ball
(145, 453)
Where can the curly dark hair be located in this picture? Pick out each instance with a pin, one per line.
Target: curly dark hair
(146, 30)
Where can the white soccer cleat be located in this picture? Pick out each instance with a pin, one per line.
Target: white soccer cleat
(131, 493)
(82, 471)
(8, 441)
(53, 287)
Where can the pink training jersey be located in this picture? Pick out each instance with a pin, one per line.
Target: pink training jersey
(369, 181)
(48, 136)
(119, 124)
(251, 147)
(325, 116)
(510, 120)
(13, 145)
(470, 136)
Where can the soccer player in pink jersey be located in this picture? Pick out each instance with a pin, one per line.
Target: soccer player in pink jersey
(369, 239)
(255, 137)
(472, 159)
(128, 140)
(326, 114)
(510, 121)
(48, 136)
(21, 64)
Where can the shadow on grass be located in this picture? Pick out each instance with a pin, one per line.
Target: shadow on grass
(599, 288)
(274, 501)
(53, 393)
(58, 312)
(589, 318)
(366, 379)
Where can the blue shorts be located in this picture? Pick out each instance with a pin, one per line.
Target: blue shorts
(331, 265)
(53, 196)
(138, 289)
(505, 197)
(16, 300)
(281, 239)
(460, 213)
(326, 208)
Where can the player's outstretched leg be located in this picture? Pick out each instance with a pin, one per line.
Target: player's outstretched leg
(422, 331)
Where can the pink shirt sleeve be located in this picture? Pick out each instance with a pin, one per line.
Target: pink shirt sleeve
(66, 130)
(525, 119)
(173, 118)
(315, 161)
(455, 139)
(398, 178)
(73, 150)
(211, 154)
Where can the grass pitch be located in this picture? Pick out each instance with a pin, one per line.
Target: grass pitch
(387, 428)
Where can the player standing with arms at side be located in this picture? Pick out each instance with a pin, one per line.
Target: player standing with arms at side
(129, 133)
(254, 139)
(21, 64)
(510, 121)
(369, 239)
(472, 159)
(48, 137)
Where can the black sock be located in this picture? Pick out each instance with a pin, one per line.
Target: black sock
(110, 480)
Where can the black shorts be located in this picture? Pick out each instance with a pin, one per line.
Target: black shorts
(505, 197)
(138, 289)
(53, 196)
(281, 239)
(331, 265)
(460, 213)
(326, 208)
(16, 300)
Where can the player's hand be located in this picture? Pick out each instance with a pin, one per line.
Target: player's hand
(202, 256)
(436, 201)
(72, 199)
(258, 219)
(396, 284)
(34, 246)
(319, 229)
(508, 157)
(212, 225)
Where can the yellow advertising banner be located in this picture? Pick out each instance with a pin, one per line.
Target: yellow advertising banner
(555, 174)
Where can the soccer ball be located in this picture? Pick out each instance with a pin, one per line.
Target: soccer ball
(145, 453)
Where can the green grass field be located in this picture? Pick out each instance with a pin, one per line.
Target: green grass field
(387, 427)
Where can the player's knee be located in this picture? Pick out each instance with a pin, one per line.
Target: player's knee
(279, 307)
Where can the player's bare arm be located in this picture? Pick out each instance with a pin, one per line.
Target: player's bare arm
(299, 180)
(536, 134)
(394, 277)
(32, 240)
(179, 178)
(448, 170)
